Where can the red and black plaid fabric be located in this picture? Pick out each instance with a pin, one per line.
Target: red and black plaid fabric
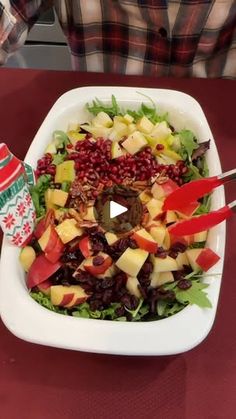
(154, 37)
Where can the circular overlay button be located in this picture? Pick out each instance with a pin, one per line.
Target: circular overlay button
(118, 209)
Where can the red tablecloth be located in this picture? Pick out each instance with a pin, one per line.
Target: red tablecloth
(45, 383)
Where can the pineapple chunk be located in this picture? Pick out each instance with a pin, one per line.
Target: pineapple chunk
(131, 261)
(67, 230)
(65, 172)
(164, 265)
(119, 130)
(158, 233)
(144, 125)
(128, 118)
(116, 150)
(89, 216)
(135, 142)
(75, 136)
(182, 260)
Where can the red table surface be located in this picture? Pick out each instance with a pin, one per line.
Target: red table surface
(40, 382)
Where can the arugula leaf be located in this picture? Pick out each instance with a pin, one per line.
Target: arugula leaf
(188, 144)
(37, 193)
(139, 312)
(98, 106)
(194, 295)
(166, 309)
(45, 301)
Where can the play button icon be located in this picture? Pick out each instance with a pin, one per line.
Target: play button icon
(118, 209)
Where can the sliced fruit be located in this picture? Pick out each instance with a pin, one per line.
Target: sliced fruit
(163, 265)
(160, 278)
(89, 216)
(27, 257)
(200, 237)
(102, 119)
(145, 241)
(98, 264)
(182, 260)
(188, 210)
(67, 296)
(45, 287)
(145, 125)
(192, 255)
(171, 217)
(135, 142)
(154, 208)
(85, 247)
(48, 199)
(161, 131)
(162, 190)
(145, 196)
(67, 230)
(40, 270)
(59, 197)
(65, 172)
(111, 238)
(132, 286)
(131, 261)
(75, 136)
(116, 150)
(158, 233)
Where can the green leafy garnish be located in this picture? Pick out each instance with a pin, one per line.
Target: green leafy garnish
(83, 310)
(194, 295)
(45, 301)
(149, 112)
(37, 192)
(166, 309)
(188, 144)
(59, 158)
(98, 106)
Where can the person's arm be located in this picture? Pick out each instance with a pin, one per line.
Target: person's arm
(16, 18)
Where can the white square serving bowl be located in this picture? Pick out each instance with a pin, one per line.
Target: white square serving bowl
(29, 321)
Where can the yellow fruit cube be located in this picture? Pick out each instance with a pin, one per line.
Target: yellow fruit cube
(67, 230)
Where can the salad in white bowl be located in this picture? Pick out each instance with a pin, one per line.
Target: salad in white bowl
(138, 289)
(74, 266)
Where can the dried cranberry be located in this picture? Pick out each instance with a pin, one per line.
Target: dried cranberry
(184, 284)
(98, 260)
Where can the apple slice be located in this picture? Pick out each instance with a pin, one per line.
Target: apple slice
(162, 190)
(67, 296)
(154, 208)
(111, 238)
(200, 237)
(40, 270)
(182, 260)
(85, 247)
(98, 264)
(145, 241)
(45, 287)
(164, 265)
(135, 142)
(171, 217)
(188, 210)
(67, 230)
(131, 261)
(132, 286)
(160, 278)
(27, 257)
(145, 196)
(158, 233)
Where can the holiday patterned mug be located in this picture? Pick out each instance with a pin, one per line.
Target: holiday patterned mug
(17, 212)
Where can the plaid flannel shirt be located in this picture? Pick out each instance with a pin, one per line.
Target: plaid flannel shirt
(154, 37)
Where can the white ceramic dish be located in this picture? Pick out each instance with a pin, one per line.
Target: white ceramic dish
(28, 320)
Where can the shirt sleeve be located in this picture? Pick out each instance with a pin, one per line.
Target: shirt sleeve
(16, 18)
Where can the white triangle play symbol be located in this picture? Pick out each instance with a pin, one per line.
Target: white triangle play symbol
(116, 209)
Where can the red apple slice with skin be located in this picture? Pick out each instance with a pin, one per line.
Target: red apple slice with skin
(162, 190)
(145, 241)
(40, 270)
(85, 247)
(55, 254)
(188, 210)
(96, 266)
(48, 239)
(67, 296)
(45, 287)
